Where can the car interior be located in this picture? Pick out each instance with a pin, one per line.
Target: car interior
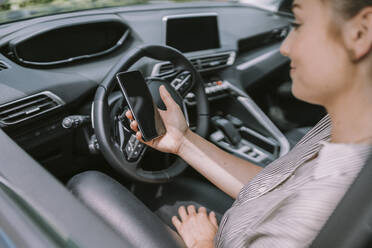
(67, 148)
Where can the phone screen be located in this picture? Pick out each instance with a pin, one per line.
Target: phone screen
(144, 110)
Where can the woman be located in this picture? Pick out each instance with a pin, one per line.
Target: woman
(288, 202)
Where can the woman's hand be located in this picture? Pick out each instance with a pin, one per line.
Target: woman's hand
(197, 229)
(174, 122)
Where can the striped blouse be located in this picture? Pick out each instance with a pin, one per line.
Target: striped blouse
(290, 200)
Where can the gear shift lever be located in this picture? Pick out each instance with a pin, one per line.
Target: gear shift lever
(228, 129)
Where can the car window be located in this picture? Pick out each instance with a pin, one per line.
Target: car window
(272, 5)
(12, 10)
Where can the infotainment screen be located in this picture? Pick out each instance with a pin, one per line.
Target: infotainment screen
(192, 33)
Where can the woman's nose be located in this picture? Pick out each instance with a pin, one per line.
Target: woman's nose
(285, 47)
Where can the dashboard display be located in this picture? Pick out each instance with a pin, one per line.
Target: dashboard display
(194, 33)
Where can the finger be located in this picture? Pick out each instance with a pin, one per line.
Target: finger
(182, 213)
(129, 115)
(213, 219)
(177, 223)
(166, 97)
(191, 210)
(134, 126)
(139, 137)
(202, 210)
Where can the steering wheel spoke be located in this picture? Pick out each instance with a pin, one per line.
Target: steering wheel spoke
(120, 135)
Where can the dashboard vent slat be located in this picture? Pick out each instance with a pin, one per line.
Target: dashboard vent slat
(202, 63)
(28, 107)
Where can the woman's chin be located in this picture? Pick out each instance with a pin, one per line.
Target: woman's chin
(297, 93)
(302, 94)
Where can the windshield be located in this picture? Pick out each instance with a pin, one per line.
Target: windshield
(12, 10)
(272, 5)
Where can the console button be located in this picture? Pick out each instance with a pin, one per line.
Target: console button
(248, 150)
(254, 155)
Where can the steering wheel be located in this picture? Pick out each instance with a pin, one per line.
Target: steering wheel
(121, 149)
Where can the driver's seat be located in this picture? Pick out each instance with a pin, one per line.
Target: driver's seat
(123, 211)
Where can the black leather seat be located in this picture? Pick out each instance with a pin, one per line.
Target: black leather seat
(123, 211)
(188, 191)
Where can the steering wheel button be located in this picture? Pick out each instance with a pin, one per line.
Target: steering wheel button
(176, 82)
(96, 145)
(132, 139)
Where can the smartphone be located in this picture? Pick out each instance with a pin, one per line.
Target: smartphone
(144, 109)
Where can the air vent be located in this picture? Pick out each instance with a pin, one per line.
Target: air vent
(202, 63)
(3, 66)
(28, 107)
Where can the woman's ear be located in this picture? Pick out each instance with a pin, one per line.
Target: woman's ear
(358, 34)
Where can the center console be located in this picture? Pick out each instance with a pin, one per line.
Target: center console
(240, 126)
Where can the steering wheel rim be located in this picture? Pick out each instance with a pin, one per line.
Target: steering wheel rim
(101, 119)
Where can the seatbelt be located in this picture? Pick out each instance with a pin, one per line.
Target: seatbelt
(350, 225)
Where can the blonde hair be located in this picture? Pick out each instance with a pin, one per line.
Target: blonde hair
(348, 8)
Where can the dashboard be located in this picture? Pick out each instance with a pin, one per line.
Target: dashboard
(51, 66)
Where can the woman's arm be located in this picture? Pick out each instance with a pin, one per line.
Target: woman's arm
(226, 171)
